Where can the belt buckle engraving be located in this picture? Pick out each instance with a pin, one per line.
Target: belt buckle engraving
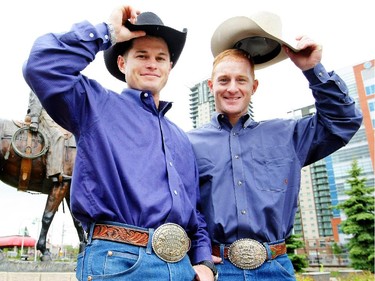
(247, 253)
(170, 242)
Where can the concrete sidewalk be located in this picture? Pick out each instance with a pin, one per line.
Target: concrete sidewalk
(37, 276)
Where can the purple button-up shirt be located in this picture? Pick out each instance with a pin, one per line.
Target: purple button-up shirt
(133, 165)
(250, 173)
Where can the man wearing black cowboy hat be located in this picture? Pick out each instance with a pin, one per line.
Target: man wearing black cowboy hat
(135, 180)
(250, 171)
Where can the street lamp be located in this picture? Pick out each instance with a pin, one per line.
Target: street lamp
(317, 256)
(24, 230)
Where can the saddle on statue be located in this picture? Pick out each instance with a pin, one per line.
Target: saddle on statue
(38, 148)
(29, 145)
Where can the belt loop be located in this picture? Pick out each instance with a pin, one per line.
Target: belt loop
(149, 243)
(222, 252)
(91, 232)
(269, 253)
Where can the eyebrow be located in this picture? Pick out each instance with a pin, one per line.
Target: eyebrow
(142, 51)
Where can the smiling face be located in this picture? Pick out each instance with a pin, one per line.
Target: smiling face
(146, 64)
(232, 84)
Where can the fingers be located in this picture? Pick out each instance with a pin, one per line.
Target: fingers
(216, 259)
(305, 42)
(309, 53)
(117, 19)
(129, 13)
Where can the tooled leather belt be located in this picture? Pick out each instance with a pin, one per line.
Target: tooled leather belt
(132, 236)
(169, 241)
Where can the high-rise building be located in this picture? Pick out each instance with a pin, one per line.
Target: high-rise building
(202, 104)
(327, 184)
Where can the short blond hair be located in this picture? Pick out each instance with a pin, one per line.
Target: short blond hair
(235, 54)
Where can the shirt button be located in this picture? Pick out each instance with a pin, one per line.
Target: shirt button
(170, 164)
(89, 278)
(236, 156)
(243, 212)
(320, 74)
(234, 134)
(175, 192)
(239, 182)
(91, 35)
(106, 37)
(110, 253)
(145, 95)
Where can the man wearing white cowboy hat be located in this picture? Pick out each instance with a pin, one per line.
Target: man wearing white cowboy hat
(135, 184)
(250, 171)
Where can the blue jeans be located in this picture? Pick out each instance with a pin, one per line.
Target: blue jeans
(107, 260)
(278, 269)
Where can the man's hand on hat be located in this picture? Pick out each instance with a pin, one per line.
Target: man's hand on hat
(310, 53)
(118, 18)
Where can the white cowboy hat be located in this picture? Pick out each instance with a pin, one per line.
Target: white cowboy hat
(259, 35)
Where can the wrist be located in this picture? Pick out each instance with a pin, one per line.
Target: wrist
(34, 119)
(211, 266)
(112, 34)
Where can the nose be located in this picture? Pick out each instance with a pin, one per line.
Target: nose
(151, 63)
(232, 86)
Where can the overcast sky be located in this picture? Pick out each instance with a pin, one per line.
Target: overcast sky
(344, 28)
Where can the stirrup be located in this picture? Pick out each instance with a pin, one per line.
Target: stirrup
(60, 178)
(66, 177)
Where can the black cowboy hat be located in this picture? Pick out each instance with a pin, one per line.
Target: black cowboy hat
(152, 25)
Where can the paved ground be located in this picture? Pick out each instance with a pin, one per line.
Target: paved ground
(37, 276)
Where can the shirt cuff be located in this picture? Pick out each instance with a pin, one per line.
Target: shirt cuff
(318, 75)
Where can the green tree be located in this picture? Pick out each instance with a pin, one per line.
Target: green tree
(337, 251)
(359, 210)
(293, 243)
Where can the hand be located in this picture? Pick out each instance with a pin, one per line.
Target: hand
(310, 53)
(118, 17)
(203, 273)
(34, 126)
(216, 259)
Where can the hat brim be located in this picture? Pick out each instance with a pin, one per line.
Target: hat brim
(175, 41)
(244, 33)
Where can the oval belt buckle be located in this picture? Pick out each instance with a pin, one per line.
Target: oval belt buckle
(247, 253)
(170, 242)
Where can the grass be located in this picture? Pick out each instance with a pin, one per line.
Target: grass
(365, 276)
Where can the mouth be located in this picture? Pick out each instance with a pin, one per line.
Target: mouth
(232, 98)
(150, 75)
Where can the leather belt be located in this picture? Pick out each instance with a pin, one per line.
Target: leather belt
(249, 253)
(127, 235)
(169, 241)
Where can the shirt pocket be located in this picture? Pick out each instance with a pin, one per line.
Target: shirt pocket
(272, 168)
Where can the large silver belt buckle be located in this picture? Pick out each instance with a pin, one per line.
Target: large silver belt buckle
(170, 242)
(247, 253)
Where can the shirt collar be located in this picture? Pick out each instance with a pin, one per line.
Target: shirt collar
(145, 99)
(219, 120)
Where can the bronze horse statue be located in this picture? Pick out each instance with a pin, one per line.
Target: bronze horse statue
(23, 160)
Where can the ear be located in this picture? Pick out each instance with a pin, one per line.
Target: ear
(210, 84)
(121, 63)
(170, 67)
(255, 86)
